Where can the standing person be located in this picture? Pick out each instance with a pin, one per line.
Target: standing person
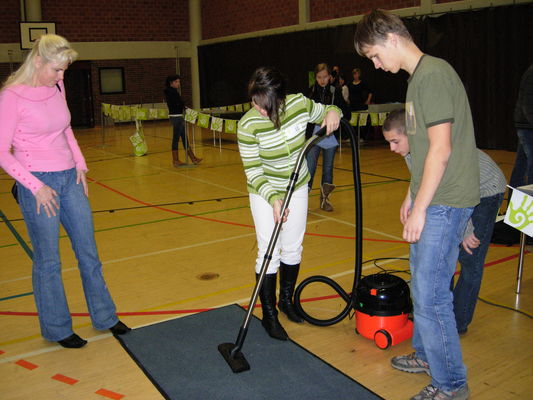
(270, 136)
(175, 112)
(443, 192)
(344, 89)
(360, 97)
(324, 93)
(360, 93)
(523, 120)
(478, 233)
(52, 188)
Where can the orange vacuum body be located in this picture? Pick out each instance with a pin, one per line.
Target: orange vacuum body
(382, 310)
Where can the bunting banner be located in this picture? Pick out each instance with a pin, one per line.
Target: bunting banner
(106, 109)
(137, 112)
(374, 119)
(216, 124)
(191, 115)
(354, 120)
(203, 120)
(363, 118)
(230, 126)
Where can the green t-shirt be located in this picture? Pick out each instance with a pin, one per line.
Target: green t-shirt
(436, 95)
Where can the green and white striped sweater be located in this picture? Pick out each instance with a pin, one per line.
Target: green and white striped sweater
(269, 155)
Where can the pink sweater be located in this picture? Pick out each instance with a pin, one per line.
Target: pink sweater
(35, 124)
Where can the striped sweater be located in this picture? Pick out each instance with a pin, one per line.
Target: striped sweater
(269, 155)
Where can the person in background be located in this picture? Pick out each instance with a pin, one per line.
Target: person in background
(270, 136)
(477, 236)
(175, 112)
(324, 93)
(334, 76)
(360, 93)
(39, 150)
(523, 120)
(442, 195)
(344, 89)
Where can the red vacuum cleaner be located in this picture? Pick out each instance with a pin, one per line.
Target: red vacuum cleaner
(382, 308)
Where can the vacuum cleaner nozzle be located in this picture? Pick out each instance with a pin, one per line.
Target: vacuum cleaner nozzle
(236, 361)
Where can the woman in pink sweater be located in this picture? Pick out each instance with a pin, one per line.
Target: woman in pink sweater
(39, 150)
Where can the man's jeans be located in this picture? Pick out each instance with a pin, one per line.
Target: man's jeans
(76, 217)
(327, 164)
(466, 290)
(524, 159)
(433, 260)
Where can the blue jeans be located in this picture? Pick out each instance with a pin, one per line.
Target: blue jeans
(433, 260)
(76, 217)
(523, 166)
(327, 164)
(466, 290)
(178, 131)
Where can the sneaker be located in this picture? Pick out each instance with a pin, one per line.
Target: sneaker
(430, 392)
(410, 363)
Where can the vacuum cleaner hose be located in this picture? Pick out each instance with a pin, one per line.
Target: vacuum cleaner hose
(348, 297)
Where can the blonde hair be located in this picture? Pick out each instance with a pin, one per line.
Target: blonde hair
(321, 67)
(51, 48)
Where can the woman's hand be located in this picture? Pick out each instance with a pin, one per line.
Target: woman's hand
(278, 204)
(45, 197)
(331, 121)
(83, 179)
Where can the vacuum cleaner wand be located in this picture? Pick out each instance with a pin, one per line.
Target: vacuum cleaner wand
(232, 351)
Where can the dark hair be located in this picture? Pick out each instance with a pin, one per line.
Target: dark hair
(395, 121)
(374, 28)
(267, 88)
(170, 79)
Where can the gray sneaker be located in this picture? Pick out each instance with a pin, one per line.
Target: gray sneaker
(430, 392)
(410, 363)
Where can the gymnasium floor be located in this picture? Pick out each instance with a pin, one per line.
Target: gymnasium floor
(175, 241)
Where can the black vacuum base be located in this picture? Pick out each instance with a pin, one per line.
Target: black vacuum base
(237, 362)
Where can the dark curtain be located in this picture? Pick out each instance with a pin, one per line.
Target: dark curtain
(489, 48)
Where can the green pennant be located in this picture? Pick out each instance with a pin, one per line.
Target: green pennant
(203, 120)
(230, 126)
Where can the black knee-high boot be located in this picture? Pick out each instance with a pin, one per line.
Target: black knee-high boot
(287, 281)
(270, 321)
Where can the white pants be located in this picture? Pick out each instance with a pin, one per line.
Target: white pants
(288, 248)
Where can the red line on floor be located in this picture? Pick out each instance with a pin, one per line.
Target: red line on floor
(65, 379)
(26, 364)
(109, 394)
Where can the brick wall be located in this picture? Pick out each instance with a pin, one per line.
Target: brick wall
(230, 17)
(320, 10)
(145, 81)
(9, 21)
(118, 20)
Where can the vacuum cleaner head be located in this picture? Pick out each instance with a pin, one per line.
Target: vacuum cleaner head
(233, 357)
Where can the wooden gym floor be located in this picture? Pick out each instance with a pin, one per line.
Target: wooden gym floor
(175, 241)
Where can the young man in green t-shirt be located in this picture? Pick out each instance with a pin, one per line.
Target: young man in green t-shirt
(444, 190)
